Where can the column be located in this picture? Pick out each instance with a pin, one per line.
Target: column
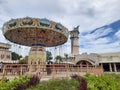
(21, 70)
(87, 64)
(102, 69)
(101, 65)
(53, 71)
(67, 72)
(4, 70)
(81, 67)
(110, 67)
(115, 70)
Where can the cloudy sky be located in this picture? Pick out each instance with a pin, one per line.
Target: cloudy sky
(98, 20)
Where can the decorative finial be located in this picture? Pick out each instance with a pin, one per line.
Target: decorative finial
(77, 27)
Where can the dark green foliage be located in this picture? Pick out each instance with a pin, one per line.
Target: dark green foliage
(49, 56)
(66, 55)
(20, 83)
(13, 84)
(15, 56)
(32, 81)
(89, 82)
(106, 82)
(57, 84)
(58, 58)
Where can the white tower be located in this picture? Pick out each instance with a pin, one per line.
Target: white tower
(74, 41)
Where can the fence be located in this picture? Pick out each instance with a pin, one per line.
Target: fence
(48, 71)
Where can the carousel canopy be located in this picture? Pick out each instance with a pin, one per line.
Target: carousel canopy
(35, 32)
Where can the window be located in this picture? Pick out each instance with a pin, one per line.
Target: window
(2, 56)
(8, 56)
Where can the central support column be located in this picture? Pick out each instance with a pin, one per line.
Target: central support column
(37, 58)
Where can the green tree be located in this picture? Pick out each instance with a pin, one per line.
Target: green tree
(49, 56)
(16, 56)
(66, 56)
(58, 58)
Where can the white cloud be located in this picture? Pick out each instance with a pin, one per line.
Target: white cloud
(118, 34)
(98, 33)
(100, 41)
(2, 38)
(102, 48)
(89, 14)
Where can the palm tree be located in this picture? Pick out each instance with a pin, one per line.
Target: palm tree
(66, 56)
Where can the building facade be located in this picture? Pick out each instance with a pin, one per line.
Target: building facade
(109, 61)
(5, 54)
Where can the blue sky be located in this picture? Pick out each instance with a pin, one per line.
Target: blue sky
(98, 20)
(101, 40)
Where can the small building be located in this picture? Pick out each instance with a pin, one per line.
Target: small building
(5, 54)
(110, 61)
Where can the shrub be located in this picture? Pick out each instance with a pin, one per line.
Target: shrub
(57, 84)
(20, 83)
(82, 82)
(34, 80)
(106, 82)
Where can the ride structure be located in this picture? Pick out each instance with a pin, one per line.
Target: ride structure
(37, 33)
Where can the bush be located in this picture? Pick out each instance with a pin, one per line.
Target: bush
(106, 82)
(57, 84)
(34, 80)
(20, 83)
(82, 82)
